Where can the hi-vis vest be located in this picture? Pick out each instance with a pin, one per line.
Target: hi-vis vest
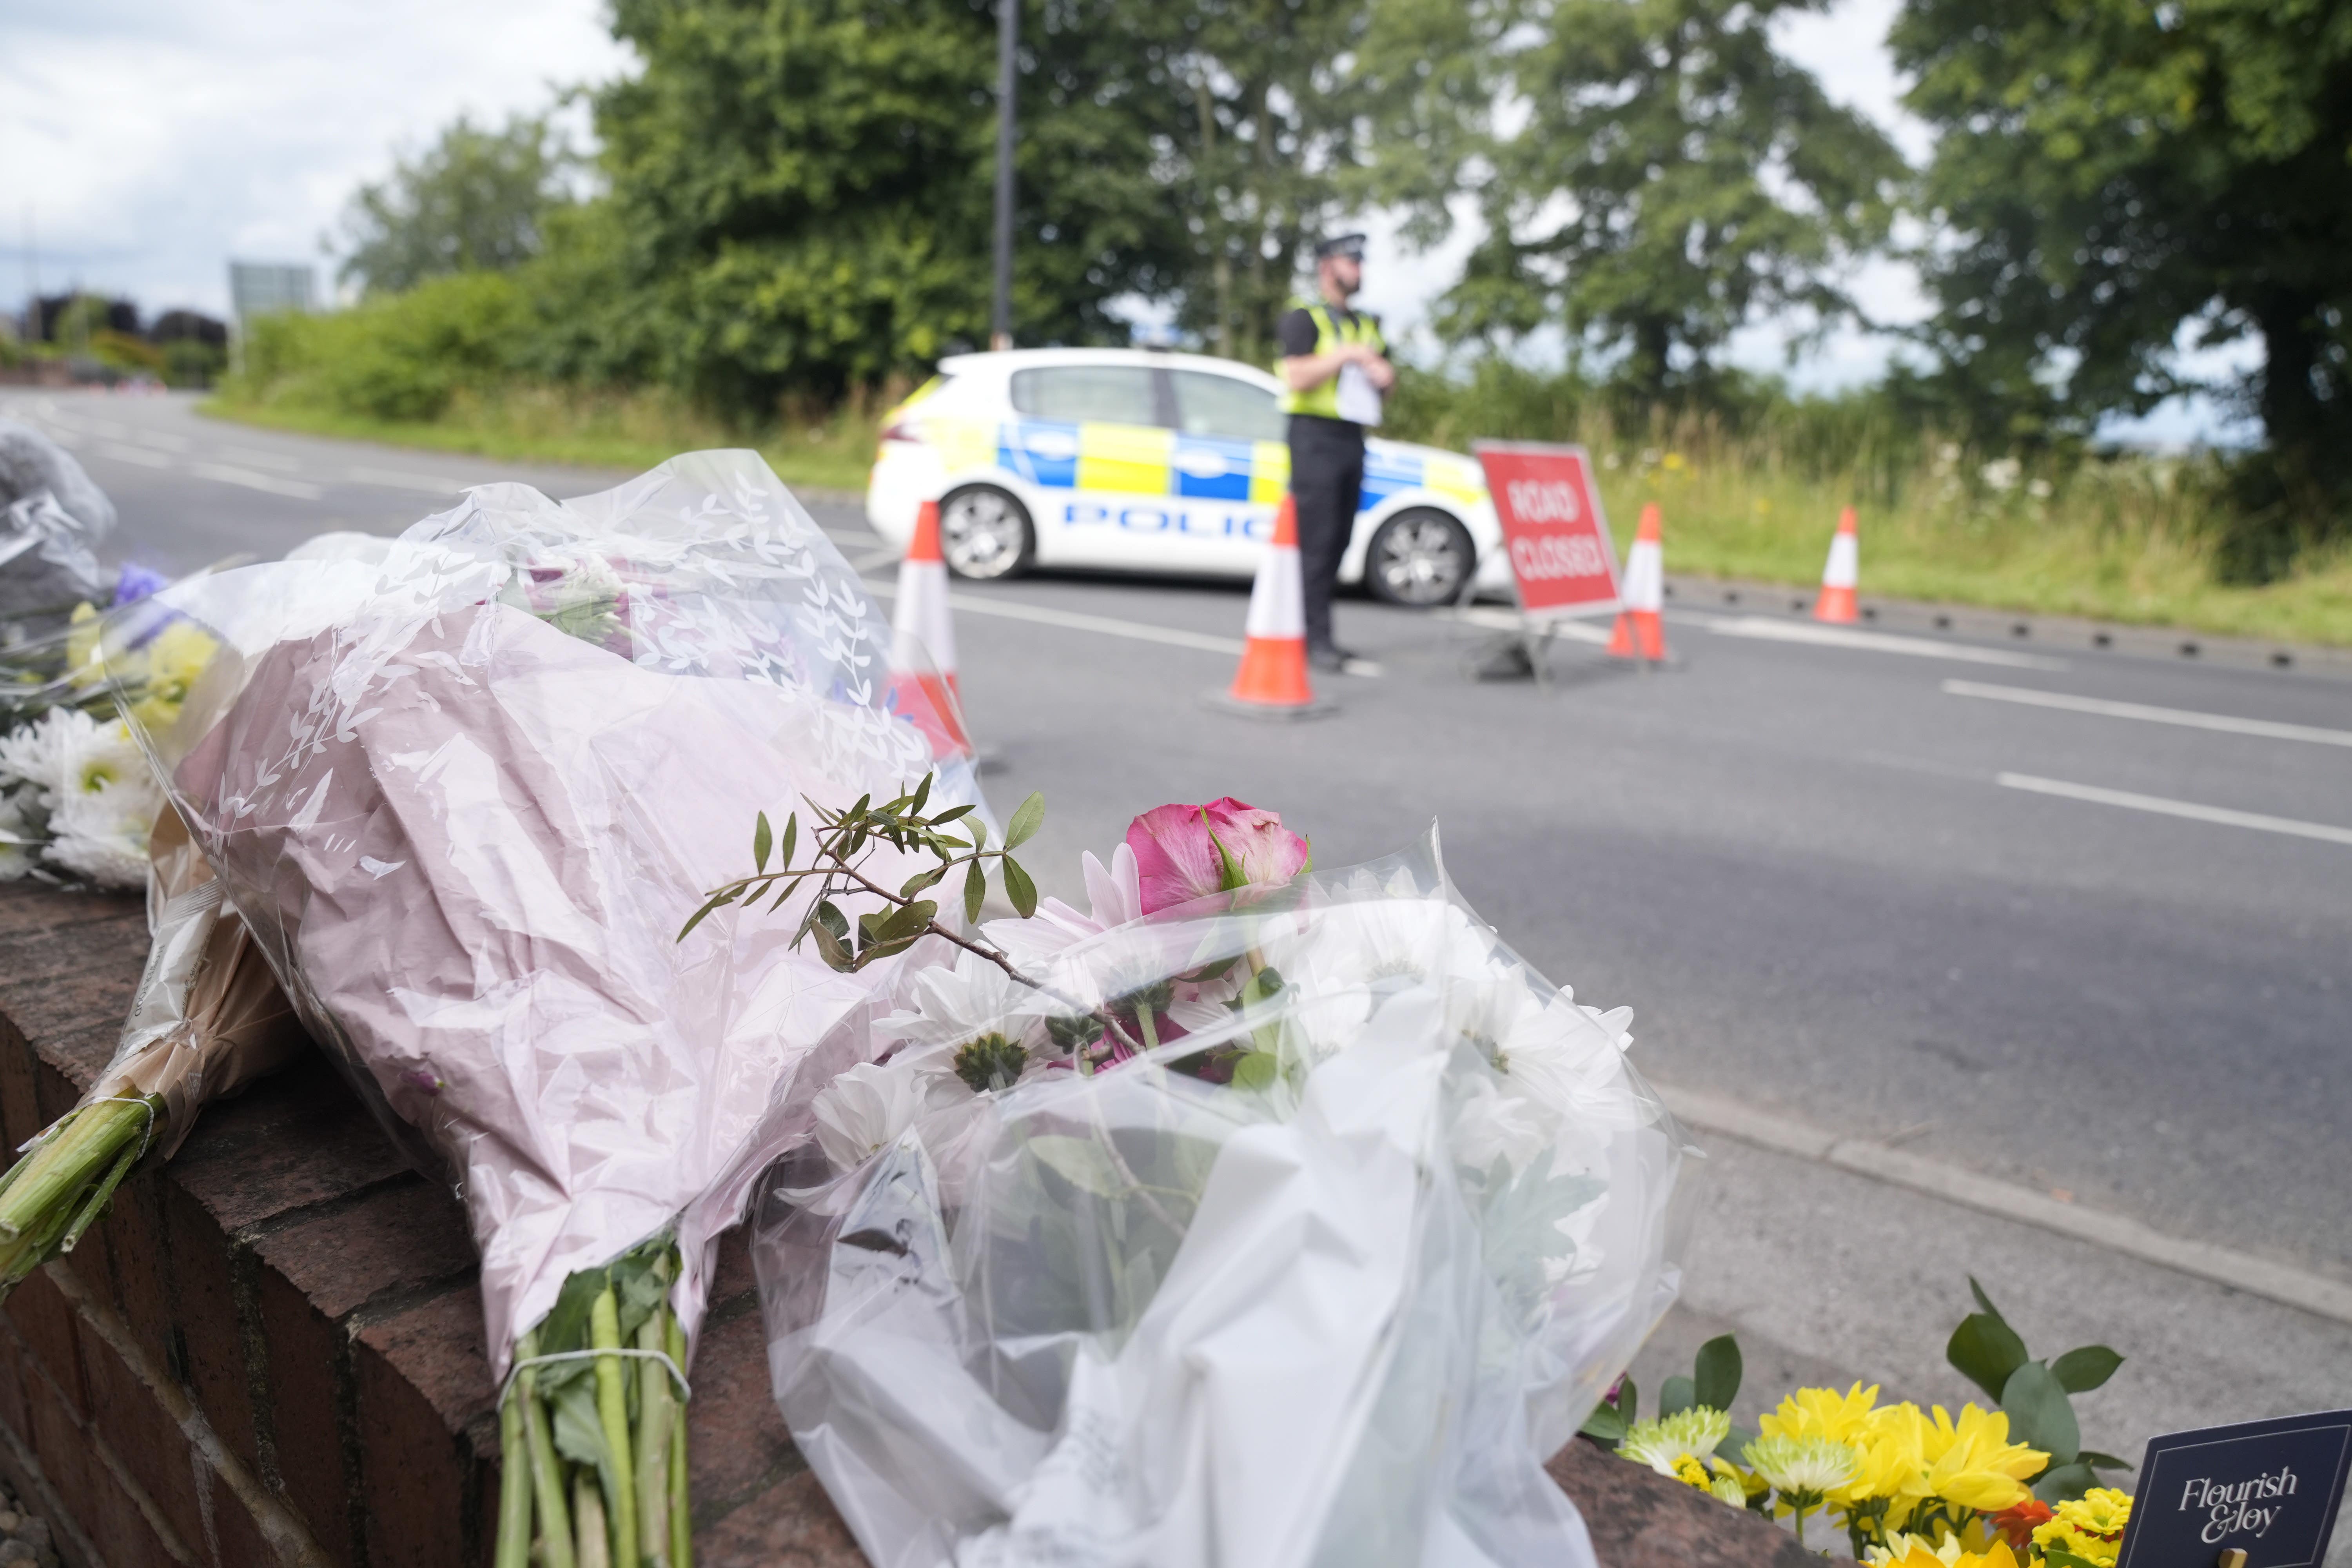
(1323, 398)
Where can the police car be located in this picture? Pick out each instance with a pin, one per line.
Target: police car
(1154, 462)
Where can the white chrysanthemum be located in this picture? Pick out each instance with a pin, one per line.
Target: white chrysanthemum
(35, 754)
(950, 1005)
(1565, 1058)
(104, 806)
(1496, 1125)
(866, 1108)
(1659, 1443)
(1113, 892)
(1357, 954)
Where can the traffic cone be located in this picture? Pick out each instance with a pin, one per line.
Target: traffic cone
(922, 643)
(1839, 574)
(1271, 680)
(1640, 629)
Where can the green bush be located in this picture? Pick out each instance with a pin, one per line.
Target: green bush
(400, 357)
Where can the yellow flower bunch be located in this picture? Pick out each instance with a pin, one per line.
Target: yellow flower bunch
(2090, 1527)
(1909, 1464)
(1902, 1551)
(164, 671)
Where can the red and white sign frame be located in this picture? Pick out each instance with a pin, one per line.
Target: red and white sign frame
(1555, 534)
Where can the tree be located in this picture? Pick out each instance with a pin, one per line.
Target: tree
(803, 187)
(2123, 177)
(1653, 174)
(475, 200)
(1261, 154)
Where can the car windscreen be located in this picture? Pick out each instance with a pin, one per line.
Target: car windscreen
(1105, 393)
(1208, 404)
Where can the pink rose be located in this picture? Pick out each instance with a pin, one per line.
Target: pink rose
(1187, 852)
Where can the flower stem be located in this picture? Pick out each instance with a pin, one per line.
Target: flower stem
(546, 1468)
(514, 1483)
(613, 1412)
(52, 1195)
(657, 1408)
(681, 1516)
(588, 1511)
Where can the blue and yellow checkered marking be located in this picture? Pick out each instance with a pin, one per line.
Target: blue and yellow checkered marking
(1133, 459)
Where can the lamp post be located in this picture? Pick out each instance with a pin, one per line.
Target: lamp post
(1008, 45)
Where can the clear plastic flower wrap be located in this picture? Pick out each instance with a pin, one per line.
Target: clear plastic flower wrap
(464, 795)
(1285, 1226)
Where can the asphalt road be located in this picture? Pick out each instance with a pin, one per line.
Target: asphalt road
(2081, 948)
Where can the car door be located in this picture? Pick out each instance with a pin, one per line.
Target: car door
(1092, 438)
(1231, 463)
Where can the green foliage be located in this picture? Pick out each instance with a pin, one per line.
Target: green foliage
(1673, 178)
(2036, 1396)
(399, 357)
(2115, 178)
(804, 188)
(474, 201)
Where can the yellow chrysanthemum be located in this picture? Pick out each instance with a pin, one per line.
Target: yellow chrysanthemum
(1917, 1552)
(1691, 1473)
(1822, 1412)
(2090, 1526)
(179, 654)
(1894, 1462)
(83, 669)
(1971, 1461)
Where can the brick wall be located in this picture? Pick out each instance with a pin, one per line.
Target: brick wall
(270, 1350)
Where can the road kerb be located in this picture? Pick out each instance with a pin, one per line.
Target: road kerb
(2314, 1293)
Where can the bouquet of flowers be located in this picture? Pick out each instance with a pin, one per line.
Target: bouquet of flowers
(75, 802)
(207, 1020)
(463, 794)
(1253, 1214)
(2008, 1487)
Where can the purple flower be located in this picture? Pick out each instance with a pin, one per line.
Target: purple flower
(1187, 852)
(137, 582)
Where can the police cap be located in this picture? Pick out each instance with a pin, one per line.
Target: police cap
(1351, 245)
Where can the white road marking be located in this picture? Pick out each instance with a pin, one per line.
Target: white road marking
(2182, 716)
(139, 455)
(1770, 630)
(1072, 621)
(253, 482)
(401, 479)
(1878, 1161)
(276, 461)
(1509, 621)
(2163, 807)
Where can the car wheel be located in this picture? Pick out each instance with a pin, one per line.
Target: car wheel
(985, 533)
(1419, 558)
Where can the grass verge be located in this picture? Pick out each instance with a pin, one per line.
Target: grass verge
(633, 430)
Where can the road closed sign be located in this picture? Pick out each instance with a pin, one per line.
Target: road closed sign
(1552, 527)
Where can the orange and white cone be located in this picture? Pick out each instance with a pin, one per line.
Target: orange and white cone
(1641, 627)
(922, 643)
(1840, 574)
(1273, 674)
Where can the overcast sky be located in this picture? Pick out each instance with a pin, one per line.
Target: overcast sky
(145, 143)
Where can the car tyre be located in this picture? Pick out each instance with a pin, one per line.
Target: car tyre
(1419, 558)
(985, 533)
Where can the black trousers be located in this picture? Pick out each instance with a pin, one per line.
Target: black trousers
(1326, 480)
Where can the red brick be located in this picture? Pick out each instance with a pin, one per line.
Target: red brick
(44, 1319)
(58, 1443)
(237, 1540)
(135, 1247)
(792, 1525)
(20, 1115)
(313, 1274)
(144, 1437)
(117, 1525)
(736, 1444)
(204, 1309)
(297, 1138)
(422, 1380)
(12, 1355)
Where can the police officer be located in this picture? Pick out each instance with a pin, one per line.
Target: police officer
(1335, 363)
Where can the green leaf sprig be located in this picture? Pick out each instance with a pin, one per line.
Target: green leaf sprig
(841, 844)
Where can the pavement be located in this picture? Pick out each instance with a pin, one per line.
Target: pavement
(1961, 954)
